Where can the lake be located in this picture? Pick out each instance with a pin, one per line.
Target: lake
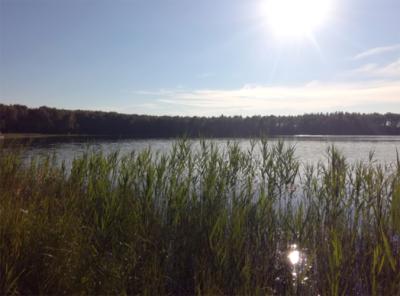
(309, 149)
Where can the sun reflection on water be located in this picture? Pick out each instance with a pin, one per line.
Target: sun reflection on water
(299, 264)
(294, 255)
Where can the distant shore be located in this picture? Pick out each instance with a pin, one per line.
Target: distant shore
(49, 122)
(18, 136)
(35, 135)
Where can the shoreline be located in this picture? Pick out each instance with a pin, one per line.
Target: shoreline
(16, 136)
(37, 135)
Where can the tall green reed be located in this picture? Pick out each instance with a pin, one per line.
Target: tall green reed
(198, 220)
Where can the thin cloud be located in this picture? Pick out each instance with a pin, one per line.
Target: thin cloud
(377, 87)
(372, 70)
(376, 51)
(310, 97)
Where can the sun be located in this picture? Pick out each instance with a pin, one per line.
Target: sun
(296, 18)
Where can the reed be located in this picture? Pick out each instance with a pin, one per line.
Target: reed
(199, 221)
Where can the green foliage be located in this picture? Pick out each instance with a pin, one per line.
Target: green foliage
(201, 220)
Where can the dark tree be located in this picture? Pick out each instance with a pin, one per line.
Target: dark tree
(20, 119)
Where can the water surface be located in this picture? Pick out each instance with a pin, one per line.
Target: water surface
(309, 149)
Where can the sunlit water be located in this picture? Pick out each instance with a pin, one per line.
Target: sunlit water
(309, 149)
(299, 264)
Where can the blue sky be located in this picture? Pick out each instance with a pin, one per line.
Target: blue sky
(186, 57)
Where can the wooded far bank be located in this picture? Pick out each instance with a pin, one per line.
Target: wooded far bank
(45, 120)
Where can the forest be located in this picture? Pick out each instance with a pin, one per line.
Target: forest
(45, 120)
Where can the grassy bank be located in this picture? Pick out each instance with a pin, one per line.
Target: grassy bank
(199, 222)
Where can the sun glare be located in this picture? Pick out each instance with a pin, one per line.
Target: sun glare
(296, 18)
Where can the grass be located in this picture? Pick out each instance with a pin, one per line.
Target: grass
(199, 221)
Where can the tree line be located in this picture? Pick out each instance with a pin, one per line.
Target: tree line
(21, 119)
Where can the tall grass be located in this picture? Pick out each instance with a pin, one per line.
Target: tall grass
(199, 221)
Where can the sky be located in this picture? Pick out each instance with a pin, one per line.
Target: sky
(200, 58)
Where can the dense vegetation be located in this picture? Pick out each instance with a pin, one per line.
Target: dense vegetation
(20, 119)
(201, 221)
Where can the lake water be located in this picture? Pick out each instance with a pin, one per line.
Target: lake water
(309, 149)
